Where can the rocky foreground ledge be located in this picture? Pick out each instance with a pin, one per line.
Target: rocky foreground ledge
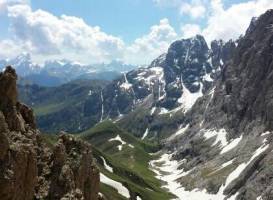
(32, 169)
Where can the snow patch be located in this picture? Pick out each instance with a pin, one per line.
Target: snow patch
(231, 145)
(187, 98)
(208, 78)
(226, 164)
(110, 169)
(118, 186)
(145, 134)
(153, 110)
(118, 138)
(102, 106)
(236, 173)
(126, 85)
(138, 198)
(169, 173)
(182, 130)
(265, 133)
(220, 136)
(163, 111)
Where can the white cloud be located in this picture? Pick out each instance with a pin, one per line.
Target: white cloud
(230, 23)
(46, 34)
(167, 3)
(8, 49)
(4, 4)
(156, 42)
(190, 30)
(195, 9)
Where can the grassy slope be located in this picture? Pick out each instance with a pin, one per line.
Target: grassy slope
(130, 165)
(63, 107)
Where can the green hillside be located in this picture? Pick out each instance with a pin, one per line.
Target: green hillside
(130, 164)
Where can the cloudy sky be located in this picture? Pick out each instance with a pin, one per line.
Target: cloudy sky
(135, 31)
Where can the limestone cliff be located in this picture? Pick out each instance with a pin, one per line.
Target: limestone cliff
(31, 169)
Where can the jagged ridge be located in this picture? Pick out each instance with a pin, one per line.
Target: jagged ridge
(30, 169)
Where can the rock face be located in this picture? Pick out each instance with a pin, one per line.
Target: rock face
(30, 169)
(229, 139)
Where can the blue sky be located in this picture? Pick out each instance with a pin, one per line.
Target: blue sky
(135, 31)
(128, 19)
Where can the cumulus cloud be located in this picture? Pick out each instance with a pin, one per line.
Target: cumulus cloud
(4, 4)
(195, 9)
(46, 34)
(231, 22)
(156, 42)
(8, 49)
(190, 30)
(221, 22)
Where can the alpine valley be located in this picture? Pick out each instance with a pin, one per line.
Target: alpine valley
(197, 123)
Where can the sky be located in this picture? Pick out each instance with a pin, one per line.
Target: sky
(134, 31)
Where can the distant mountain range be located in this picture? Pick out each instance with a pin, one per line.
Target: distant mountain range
(57, 72)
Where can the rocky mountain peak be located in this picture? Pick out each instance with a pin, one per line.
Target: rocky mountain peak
(233, 121)
(8, 90)
(30, 167)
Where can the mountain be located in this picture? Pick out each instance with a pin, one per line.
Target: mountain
(172, 83)
(22, 63)
(207, 109)
(57, 72)
(115, 65)
(225, 140)
(32, 167)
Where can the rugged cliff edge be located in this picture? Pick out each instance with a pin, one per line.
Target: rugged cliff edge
(225, 142)
(29, 167)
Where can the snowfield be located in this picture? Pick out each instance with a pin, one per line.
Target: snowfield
(168, 171)
(126, 85)
(188, 99)
(118, 186)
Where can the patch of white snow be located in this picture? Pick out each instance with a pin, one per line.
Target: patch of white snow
(110, 169)
(153, 110)
(118, 186)
(187, 98)
(118, 138)
(235, 174)
(220, 136)
(182, 130)
(231, 145)
(145, 134)
(102, 107)
(163, 111)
